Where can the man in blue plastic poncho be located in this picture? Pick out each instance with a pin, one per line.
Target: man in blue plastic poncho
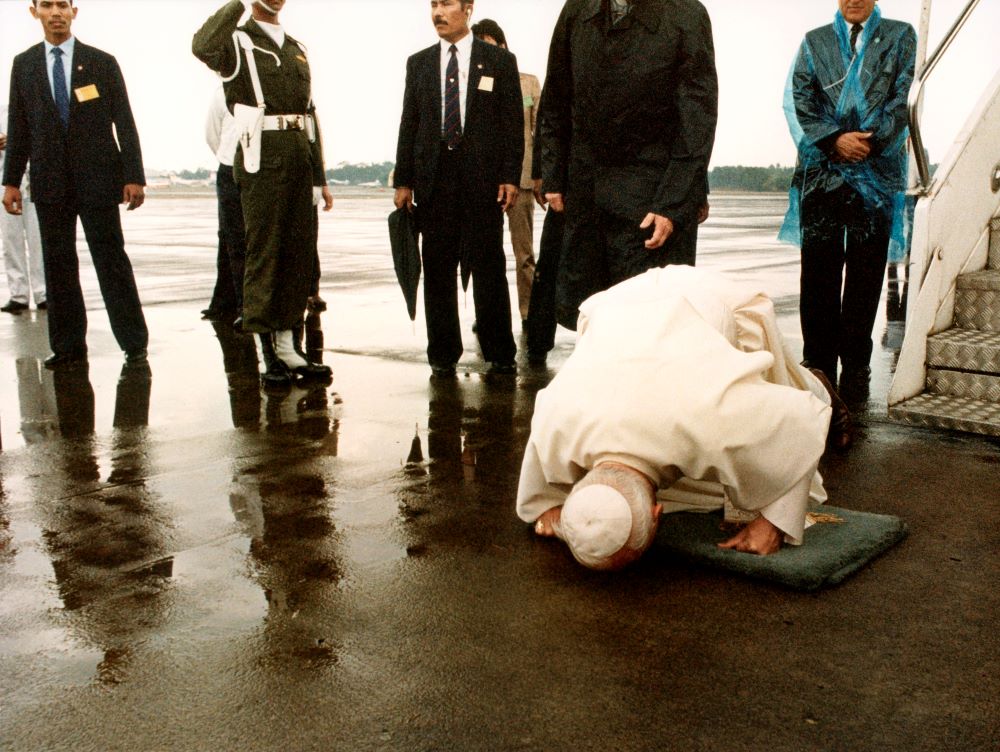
(846, 108)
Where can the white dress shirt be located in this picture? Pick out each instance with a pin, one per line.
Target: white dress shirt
(274, 31)
(464, 54)
(220, 129)
(680, 372)
(67, 61)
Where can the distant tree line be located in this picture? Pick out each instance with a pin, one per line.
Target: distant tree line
(773, 179)
(356, 174)
(199, 174)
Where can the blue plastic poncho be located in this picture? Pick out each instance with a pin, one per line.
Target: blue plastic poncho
(832, 90)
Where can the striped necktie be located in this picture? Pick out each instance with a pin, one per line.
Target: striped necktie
(59, 88)
(452, 108)
(855, 33)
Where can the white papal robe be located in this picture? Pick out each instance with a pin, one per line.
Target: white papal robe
(684, 376)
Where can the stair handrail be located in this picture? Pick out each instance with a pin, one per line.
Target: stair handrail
(916, 92)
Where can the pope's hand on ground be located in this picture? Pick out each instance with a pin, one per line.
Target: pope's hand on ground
(547, 525)
(759, 537)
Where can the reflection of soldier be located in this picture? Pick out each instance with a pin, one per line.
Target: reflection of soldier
(36, 395)
(277, 165)
(284, 507)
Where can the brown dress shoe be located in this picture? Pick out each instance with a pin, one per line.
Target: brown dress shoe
(841, 433)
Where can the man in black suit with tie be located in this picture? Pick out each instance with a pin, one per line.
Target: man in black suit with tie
(67, 105)
(461, 143)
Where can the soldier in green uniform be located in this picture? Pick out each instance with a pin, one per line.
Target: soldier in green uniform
(279, 171)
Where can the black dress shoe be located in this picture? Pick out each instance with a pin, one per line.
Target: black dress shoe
(536, 359)
(14, 306)
(503, 369)
(313, 372)
(61, 360)
(43, 306)
(135, 357)
(442, 370)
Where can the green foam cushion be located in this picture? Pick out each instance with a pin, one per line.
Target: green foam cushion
(830, 552)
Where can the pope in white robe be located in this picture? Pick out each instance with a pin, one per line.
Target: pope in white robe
(682, 375)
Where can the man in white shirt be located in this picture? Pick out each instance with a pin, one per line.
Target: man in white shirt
(22, 245)
(222, 139)
(680, 394)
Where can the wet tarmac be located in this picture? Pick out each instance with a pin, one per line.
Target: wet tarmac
(187, 563)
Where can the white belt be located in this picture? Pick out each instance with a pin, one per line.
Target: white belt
(285, 122)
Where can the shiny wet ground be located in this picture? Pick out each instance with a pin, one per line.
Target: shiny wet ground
(189, 564)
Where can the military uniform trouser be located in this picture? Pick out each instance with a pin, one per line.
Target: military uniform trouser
(279, 216)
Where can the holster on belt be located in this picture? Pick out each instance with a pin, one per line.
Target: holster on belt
(250, 126)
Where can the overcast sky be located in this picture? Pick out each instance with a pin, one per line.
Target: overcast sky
(358, 51)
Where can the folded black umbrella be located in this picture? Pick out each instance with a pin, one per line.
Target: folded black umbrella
(405, 256)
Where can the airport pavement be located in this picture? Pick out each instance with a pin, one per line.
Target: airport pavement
(188, 564)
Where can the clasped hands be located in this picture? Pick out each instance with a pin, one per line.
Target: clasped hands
(853, 146)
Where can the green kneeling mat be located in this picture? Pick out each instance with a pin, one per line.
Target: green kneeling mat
(830, 552)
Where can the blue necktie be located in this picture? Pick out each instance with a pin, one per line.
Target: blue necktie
(59, 86)
(452, 107)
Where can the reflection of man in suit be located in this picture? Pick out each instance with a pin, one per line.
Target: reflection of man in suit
(459, 158)
(70, 115)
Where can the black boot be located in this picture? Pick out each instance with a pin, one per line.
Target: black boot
(276, 374)
(313, 371)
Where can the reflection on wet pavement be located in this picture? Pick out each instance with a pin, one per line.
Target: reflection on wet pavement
(340, 566)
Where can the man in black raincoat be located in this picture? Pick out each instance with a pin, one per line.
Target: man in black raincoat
(628, 120)
(846, 108)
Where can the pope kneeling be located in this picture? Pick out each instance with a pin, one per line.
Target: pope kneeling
(680, 395)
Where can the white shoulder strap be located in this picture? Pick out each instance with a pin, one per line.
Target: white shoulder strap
(242, 40)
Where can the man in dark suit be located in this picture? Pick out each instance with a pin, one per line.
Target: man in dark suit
(461, 143)
(67, 105)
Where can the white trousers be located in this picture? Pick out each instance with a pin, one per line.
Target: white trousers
(22, 254)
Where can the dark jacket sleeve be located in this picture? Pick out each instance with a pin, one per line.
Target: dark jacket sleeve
(895, 112)
(409, 125)
(18, 133)
(512, 120)
(319, 169)
(555, 114)
(128, 135)
(213, 42)
(698, 111)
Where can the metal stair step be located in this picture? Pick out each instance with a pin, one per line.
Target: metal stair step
(977, 301)
(965, 350)
(949, 412)
(994, 260)
(979, 386)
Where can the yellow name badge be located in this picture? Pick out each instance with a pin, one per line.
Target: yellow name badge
(486, 83)
(86, 93)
